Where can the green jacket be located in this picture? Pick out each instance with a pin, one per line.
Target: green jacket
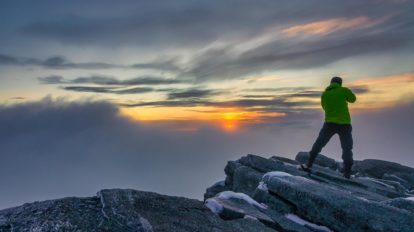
(334, 101)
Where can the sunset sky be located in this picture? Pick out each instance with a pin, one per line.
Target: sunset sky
(203, 81)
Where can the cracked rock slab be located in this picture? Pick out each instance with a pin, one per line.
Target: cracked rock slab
(337, 208)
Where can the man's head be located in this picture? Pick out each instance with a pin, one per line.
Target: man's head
(337, 80)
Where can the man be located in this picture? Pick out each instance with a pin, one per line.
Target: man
(334, 101)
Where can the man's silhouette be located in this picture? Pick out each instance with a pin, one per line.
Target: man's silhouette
(334, 101)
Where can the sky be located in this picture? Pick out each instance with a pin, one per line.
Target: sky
(158, 96)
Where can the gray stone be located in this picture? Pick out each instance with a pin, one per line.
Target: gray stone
(216, 188)
(321, 160)
(234, 208)
(66, 214)
(121, 210)
(246, 180)
(395, 178)
(229, 170)
(260, 164)
(247, 177)
(285, 160)
(402, 203)
(273, 203)
(380, 169)
(167, 213)
(336, 208)
(374, 200)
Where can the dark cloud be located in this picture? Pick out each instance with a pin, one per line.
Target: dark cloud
(6, 59)
(360, 89)
(54, 79)
(55, 62)
(317, 94)
(191, 93)
(277, 90)
(134, 90)
(307, 94)
(60, 62)
(100, 89)
(257, 96)
(280, 102)
(167, 103)
(149, 81)
(107, 80)
(92, 89)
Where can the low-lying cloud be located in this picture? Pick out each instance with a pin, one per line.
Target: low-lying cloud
(56, 148)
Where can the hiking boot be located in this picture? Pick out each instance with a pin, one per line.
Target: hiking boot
(346, 173)
(305, 168)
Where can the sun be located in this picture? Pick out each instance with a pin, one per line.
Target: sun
(230, 121)
(229, 126)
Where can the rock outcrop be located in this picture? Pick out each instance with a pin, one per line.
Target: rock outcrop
(377, 198)
(121, 210)
(258, 194)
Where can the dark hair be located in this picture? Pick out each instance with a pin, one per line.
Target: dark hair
(336, 80)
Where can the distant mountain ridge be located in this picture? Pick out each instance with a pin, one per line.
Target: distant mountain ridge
(258, 194)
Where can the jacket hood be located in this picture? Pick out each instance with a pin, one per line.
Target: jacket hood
(333, 85)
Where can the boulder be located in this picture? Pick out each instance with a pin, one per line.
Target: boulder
(336, 208)
(321, 160)
(216, 188)
(285, 160)
(231, 205)
(258, 194)
(385, 169)
(260, 164)
(246, 180)
(402, 203)
(121, 210)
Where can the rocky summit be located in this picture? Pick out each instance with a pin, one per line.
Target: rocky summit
(258, 194)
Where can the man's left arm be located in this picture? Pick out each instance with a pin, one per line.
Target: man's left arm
(350, 96)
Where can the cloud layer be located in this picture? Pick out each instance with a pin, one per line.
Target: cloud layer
(55, 148)
(225, 40)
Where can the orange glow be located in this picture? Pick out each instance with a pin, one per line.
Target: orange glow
(387, 80)
(385, 91)
(230, 120)
(229, 126)
(331, 25)
(233, 115)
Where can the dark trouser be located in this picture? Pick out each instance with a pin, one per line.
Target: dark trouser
(326, 133)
